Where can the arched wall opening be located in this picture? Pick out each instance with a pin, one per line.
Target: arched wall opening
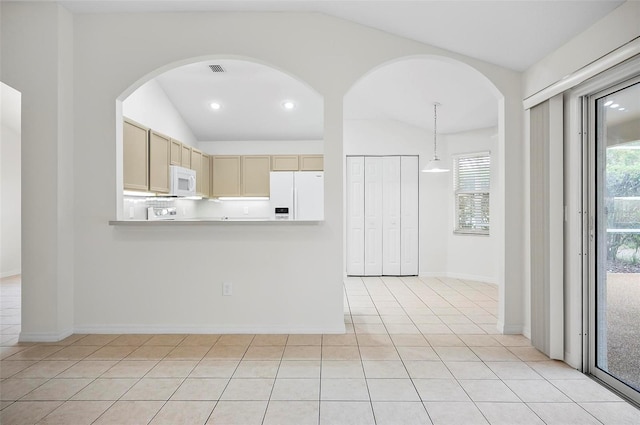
(389, 112)
(220, 106)
(10, 214)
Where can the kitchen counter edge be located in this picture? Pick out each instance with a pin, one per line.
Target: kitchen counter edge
(207, 221)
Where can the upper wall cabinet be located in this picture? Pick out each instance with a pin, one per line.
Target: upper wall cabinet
(206, 176)
(255, 175)
(176, 152)
(135, 143)
(226, 177)
(284, 163)
(159, 157)
(196, 165)
(311, 162)
(185, 157)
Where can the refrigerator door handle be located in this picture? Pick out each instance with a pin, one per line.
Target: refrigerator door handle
(295, 203)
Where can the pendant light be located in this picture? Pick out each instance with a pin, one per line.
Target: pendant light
(435, 165)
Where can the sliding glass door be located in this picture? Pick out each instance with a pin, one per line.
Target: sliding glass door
(614, 265)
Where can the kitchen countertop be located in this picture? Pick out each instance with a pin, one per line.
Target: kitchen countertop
(211, 220)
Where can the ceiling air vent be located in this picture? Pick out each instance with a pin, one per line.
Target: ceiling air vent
(216, 68)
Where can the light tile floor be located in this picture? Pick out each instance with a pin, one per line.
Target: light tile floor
(416, 351)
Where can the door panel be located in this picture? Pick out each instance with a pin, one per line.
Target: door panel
(355, 216)
(391, 216)
(409, 215)
(615, 242)
(373, 216)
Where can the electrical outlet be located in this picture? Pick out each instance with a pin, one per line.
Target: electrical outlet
(132, 212)
(246, 210)
(227, 289)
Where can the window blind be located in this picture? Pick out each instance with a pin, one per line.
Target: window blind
(472, 182)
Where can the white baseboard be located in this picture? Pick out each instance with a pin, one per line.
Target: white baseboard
(462, 276)
(44, 336)
(510, 329)
(197, 329)
(10, 273)
(527, 332)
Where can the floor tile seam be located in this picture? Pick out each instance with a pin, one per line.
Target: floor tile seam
(569, 402)
(423, 302)
(550, 381)
(51, 379)
(452, 289)
(273, 386)
(105, 411)
(360, 354)
(167, 400)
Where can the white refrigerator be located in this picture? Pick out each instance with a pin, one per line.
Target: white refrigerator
(297, 195)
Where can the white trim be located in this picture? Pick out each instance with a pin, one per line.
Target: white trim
(610, 60)
(44, 336)
(510, 329)
(199, 329)
(10, 273)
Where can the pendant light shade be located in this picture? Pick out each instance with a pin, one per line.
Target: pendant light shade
(435, 165)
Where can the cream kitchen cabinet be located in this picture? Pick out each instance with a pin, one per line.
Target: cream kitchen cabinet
(176, 152)
(159, 158)
(206, 176)
(185, 156)
(284, 163)
(196, 165)
(311, 162)
(255, 175)
(226, 176)
(135, 143)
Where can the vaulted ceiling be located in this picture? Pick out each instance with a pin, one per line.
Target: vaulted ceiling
(512, 34)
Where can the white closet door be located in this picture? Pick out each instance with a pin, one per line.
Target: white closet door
(409, 215)
(355, 215)
(373, 216)
(391, 216)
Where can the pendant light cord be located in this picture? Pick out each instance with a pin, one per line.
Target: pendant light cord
(435, 131)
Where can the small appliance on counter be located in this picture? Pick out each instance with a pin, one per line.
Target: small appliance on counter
(161, 213)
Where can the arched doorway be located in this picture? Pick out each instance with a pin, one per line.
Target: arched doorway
(389, 112)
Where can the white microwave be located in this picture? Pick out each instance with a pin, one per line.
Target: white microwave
(183, 181)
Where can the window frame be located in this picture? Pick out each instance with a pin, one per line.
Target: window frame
(457, 192)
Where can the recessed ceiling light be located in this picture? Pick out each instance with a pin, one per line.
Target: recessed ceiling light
(615, 105)
(608, 103)
(288, 105)
(622, 109)
(215, 106)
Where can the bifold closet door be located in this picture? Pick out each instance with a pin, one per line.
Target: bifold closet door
(409, 215)
(391, 215)
(382, 216)
(373, 216)
(355, 215)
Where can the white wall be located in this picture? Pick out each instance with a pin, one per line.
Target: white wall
(442, 253)
(473, 256)
(150, 106)
(37, 46)
(287, 278)
(10, 181)
(614, 30)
